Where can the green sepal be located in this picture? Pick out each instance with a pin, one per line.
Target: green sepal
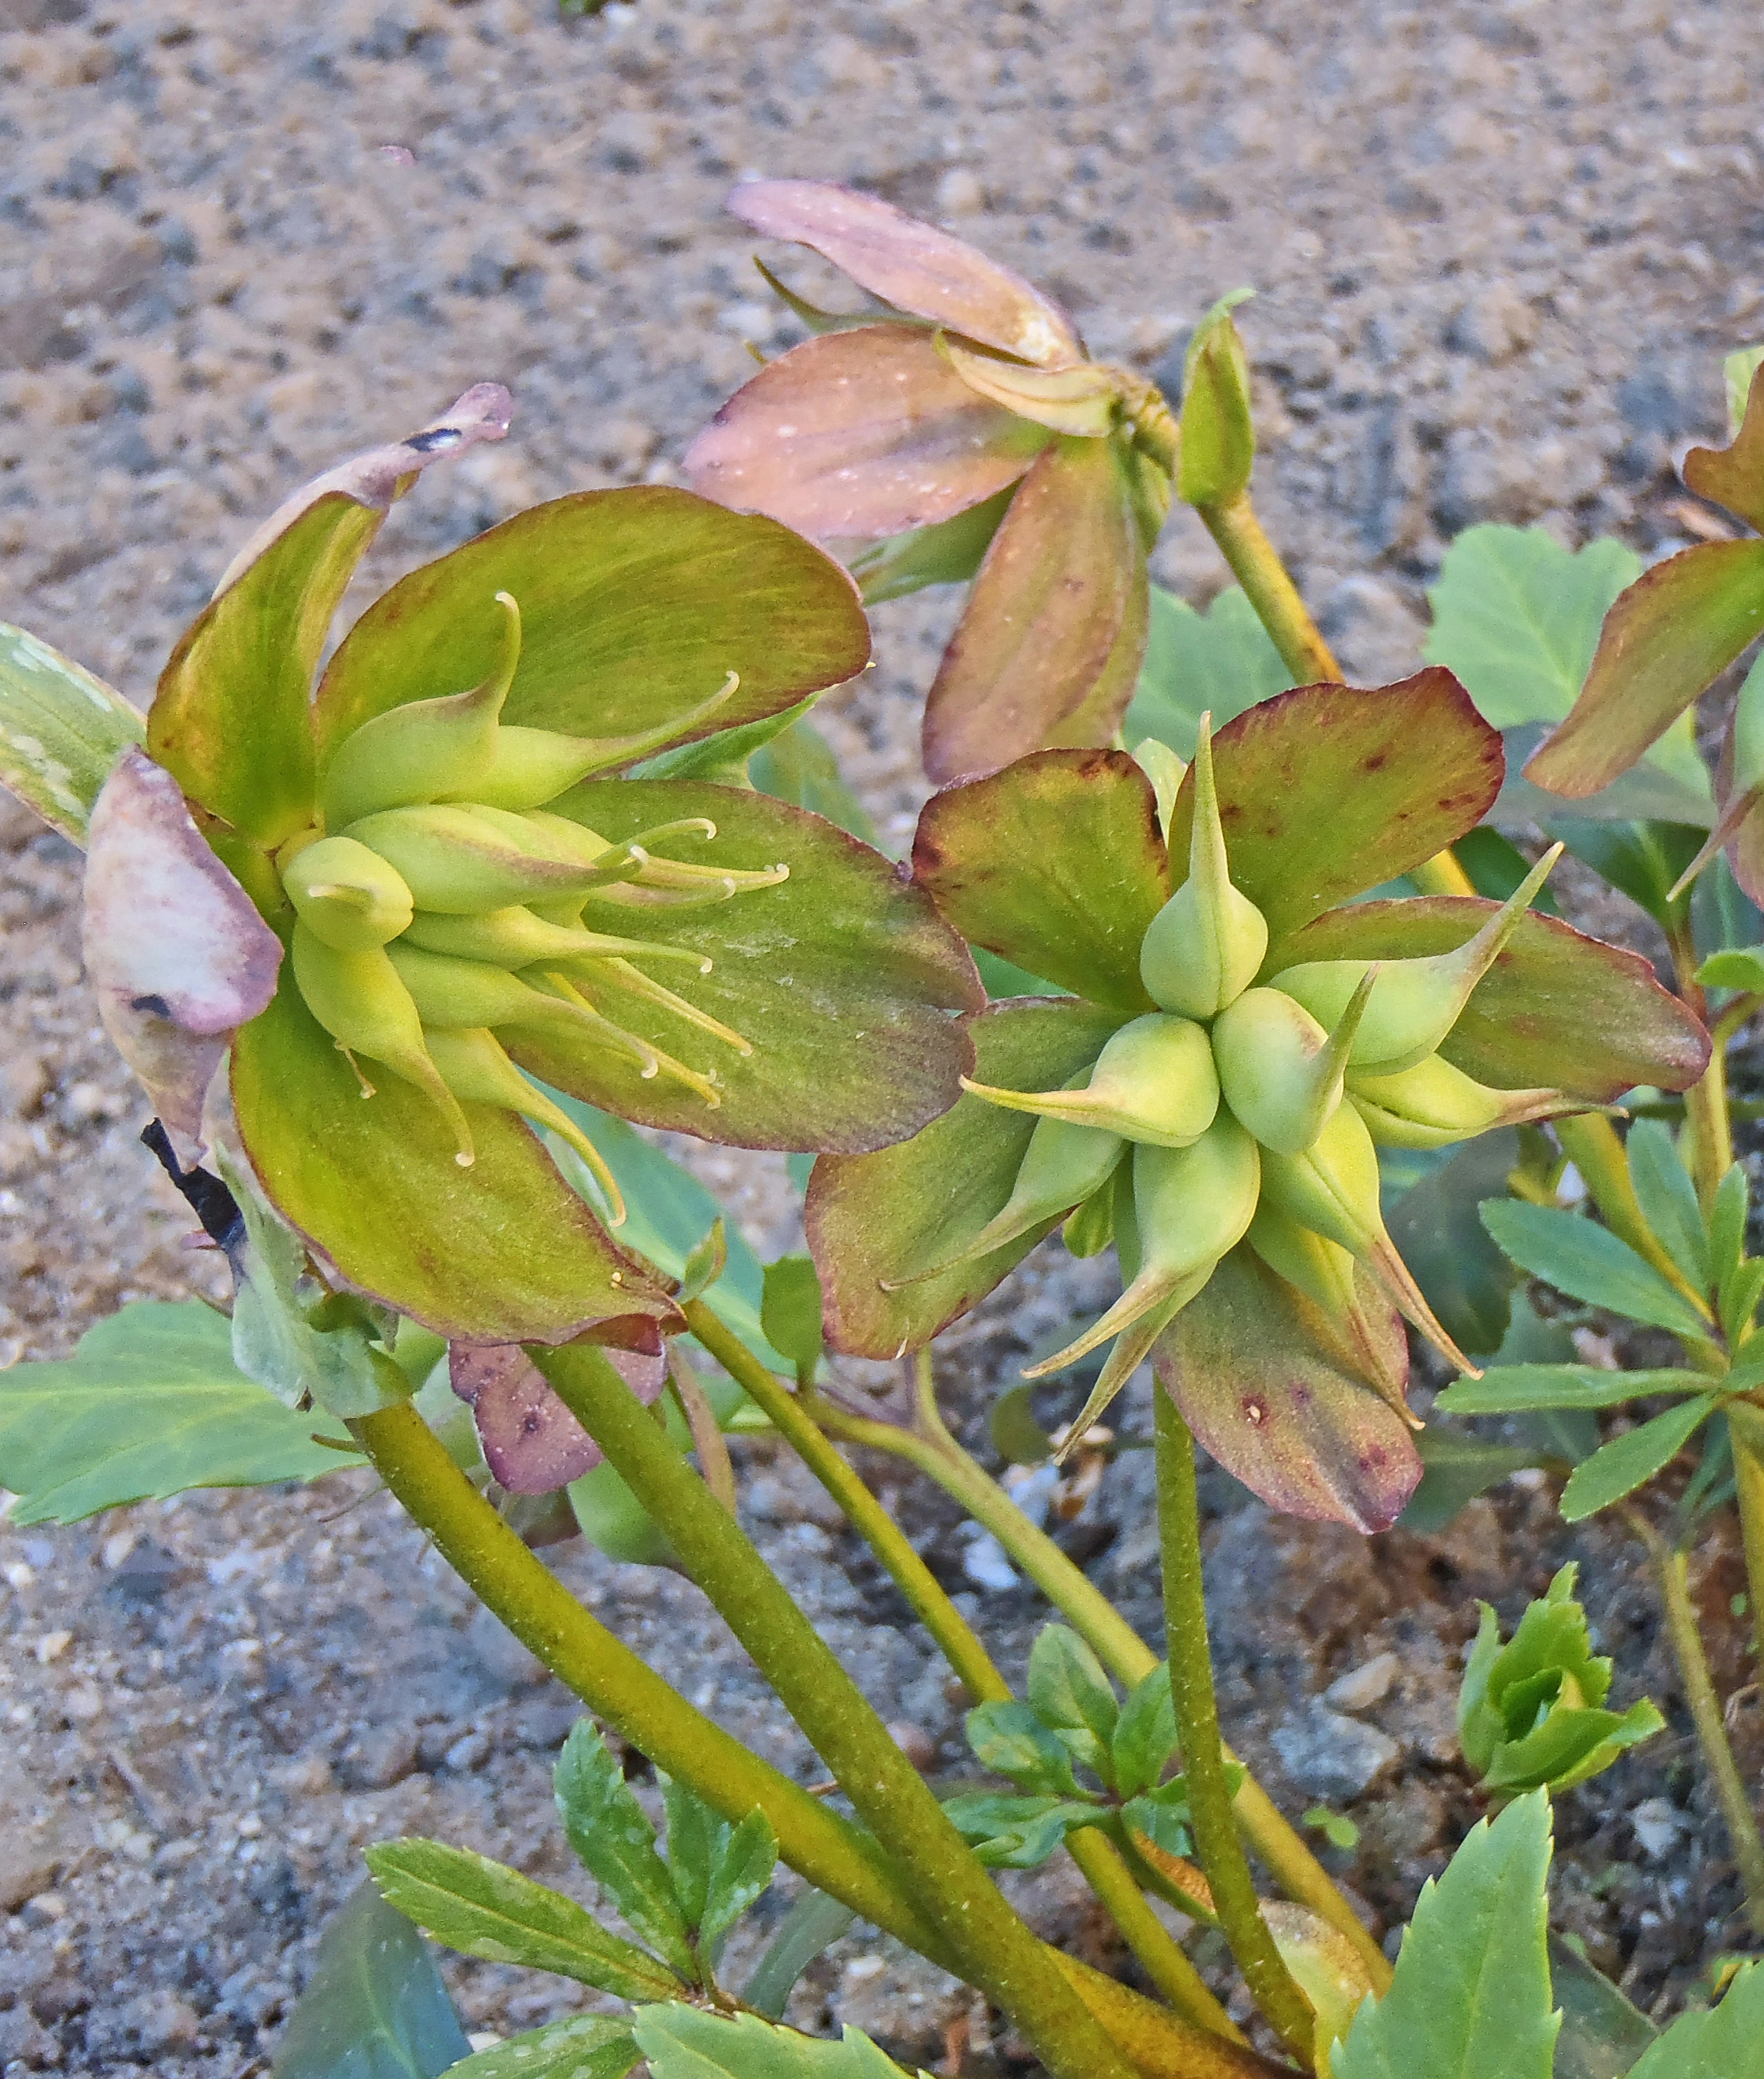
(1218, 429)
(61, 729)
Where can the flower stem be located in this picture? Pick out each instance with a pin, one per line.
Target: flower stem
(1214, 1822)
(930, 1447)
(998, 1951)
(1165, 1961)
(1705, 1708)
(1256, 565)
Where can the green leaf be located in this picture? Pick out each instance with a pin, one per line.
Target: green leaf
(1642, 859)
(503, 1252)
(612, 1519)
(1471, 1997)
(1055, 864)
(1668, 1199)
(1015, 1833)
(799, 765)
(1515, 1389)
(1589, 1262)
(740, 1874)
(1011, 1740)
(1726, 2042)
(1497, 866)
(705, 1263)
(1737, 370)
(1739, 1296)
(1728, 1217)
(1335, 1827)
(1739, 968)
(1456, 1468)
(485, 1908)
(842, 979)
(614, 1840)
(696, 1836)
(635, 604)
(1620, 1466)
(948, 552)
(1602, 2034)
(584, 2047)
(1068, 1691)
(1439, 1233)
(725, 757)
(150, 1404)
(1017, 1437)
(687, 2042)
(1219, 662)
(374, 2007)
(61, 730)
(812, 1924)
(1144, 1734)
(791, 1311)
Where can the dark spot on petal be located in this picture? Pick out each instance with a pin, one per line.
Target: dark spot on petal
(437, 437)
(1376, 763)
(155, 1006)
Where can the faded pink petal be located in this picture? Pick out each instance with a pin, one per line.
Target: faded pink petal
(912, 266)
(378, 476)
(859, 435)
(175, 948)
(532, 1443)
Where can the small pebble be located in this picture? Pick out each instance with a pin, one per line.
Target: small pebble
(1362, 1687)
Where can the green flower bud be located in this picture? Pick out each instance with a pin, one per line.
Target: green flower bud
(1415, 1003)
(361, 1001)
(467, 860)
(1090, 1227)
(1153, 1082)
(1062, 1164)
(1321, 1270)
(346, 894)
(474, 1067)
(1434, 1104)
(1203, 949)
(1280, 1072)
(1333, 1189)
(518, 937)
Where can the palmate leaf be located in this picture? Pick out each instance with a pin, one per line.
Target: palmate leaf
(584, 2047)
(1219, 662)
(687, 2042)
(150, 1404)
(1471, 1998)
(61, 730)
(374, 2007)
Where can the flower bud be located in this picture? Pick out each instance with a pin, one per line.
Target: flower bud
(1280, 1072)
(1434, 1104)
(361, 1001)
(1321, 1270)
(1415, 1003)
(1203, 948)
(1153, 1082)
(1062, 1164)
(1333, 1189)
(346, 895)
(426, 749)
(1218, 432)
(1090, 1227)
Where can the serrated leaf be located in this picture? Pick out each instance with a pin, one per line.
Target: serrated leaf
(61, 729)
(485, 1908)
(374, 2007)
(687, 2042)
(696, 1836)
(1726, 2042)
(1471, 1997)
(1010, 1739)
(1221, 661)
(1068, 1691)
(1144, 1734)
(1589, 1262)
(1620, 1466)
(150, 1404)
(740, 1874)
(1517, 1389)
(1015, 1833)
(584, 2047)
(616, 1844)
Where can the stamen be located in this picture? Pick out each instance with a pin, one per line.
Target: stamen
(367, 1087)
(656, 1061)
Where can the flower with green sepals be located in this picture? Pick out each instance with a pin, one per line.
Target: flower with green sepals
(452, 840)
(1238, 1178)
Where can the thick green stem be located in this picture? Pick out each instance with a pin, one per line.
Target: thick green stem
(935, 1452)
(1165, 1961)
(1745, 1427)
(1256, 566)
(998, 1951)
(1705, 1708)
(1214, 1822)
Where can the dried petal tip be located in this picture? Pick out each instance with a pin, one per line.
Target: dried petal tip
(1204, 948)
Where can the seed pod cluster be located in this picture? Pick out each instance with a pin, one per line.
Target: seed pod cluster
(1250, 1109)
(438, 903)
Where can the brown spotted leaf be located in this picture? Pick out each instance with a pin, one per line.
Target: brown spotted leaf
(1053, 593)
(532, 1443)
(1290, 1402)
(912, 266)
(1055, 863)
(175, 949)
(1670, 635)
(1734, 476)
(859, 435)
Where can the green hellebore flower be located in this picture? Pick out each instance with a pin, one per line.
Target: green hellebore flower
(1232, 1050)
(1531, 1711)
(452, 838)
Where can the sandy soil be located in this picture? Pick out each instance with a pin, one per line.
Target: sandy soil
(1499, 249)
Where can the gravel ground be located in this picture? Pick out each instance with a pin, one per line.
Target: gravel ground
(1499, 248)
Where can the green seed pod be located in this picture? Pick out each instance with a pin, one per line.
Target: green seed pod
(517, 938)
(1321, 1270)
(1333, 1189)
(1153, 1082)
(1203, 948)
(473, 1065)
(1415, 1003)
(1063, 1165)
(1090, 1227)
(346, 894)
(424, 750)
(1280, 1072)
(468, 860)
(1434, 1104)
(360, 1001)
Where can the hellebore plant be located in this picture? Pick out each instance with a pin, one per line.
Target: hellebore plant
(1211, 1091)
